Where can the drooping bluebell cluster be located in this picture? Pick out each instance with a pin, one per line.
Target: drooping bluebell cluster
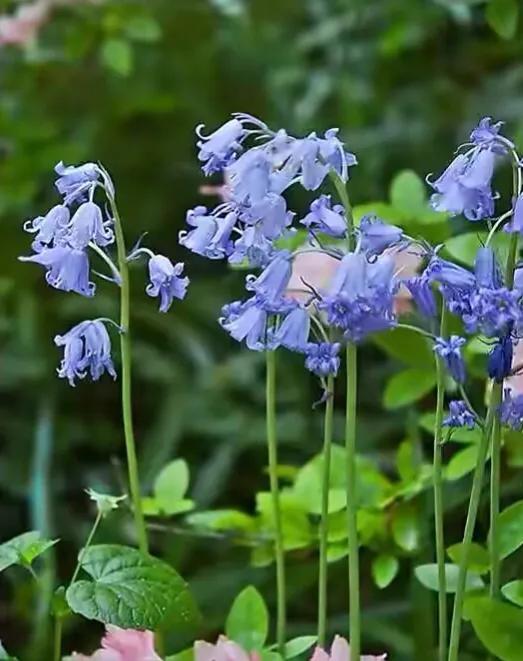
(258, 166)
(511, 412)
(61, 244)
(449, 349)
(459, 415)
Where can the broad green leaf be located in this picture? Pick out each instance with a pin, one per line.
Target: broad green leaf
(384, 211)
(296, 527)
(427, 575)
(184, 655)
(462, 463)
(117, 55)
(406, 346)
(170, 487)
(233, 520)
(23, 549)
(406, 464)
(502, 16)
(384, 570)
(248, 620)
(510, 529)
(513, 591)
(478, 560)
(464, 247)
(298, 645)
(143, 28)
(499, 626)
(130, 590)
(407, 194)
(407, 387)
(405, 529)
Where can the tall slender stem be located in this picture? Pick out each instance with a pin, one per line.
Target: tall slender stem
(270, 399)
(475, 494)
(87, 544)
(57, 644)
(495, 562)
(125, 347)
(324, 523)
(352, 504)
(438, 498)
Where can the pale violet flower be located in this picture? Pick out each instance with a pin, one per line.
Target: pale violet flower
(50, 229)
(88, 224)
(166, 281)
(67, 269)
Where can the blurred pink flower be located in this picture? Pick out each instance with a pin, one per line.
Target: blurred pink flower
(22, 27)
(224, 650)
(340, 651)
(123, 645)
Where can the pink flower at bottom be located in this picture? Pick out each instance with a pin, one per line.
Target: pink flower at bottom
(340, 651)
(123, 645)
(224, 650)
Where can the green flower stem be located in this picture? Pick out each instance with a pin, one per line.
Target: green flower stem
(57, 644)
(495, 561)
(475, 494)
(88, 543)
(438, 497)
(270, 398)
(352, 504)
(125, 347)
(324, 522)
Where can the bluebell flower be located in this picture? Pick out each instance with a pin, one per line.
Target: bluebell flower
(450, 275)
(250, 177)
(88, 225)
(274, 279)
(87, 348)
(515, 225)
(376, 236)
(449, 349)
(293, 332)
(218, 150)
(166, 281)
(247, 321)
(198, 239)
(323, 217)
(75, 181)
(493, 312)
(67, 269)
(459, 415)
(360, 299)
(270, 215)
(487, 134)
(322, 358)
(253, 246)
(499, 364)
(511, 411)
(421, 290)
(486, 269)
(50, 229)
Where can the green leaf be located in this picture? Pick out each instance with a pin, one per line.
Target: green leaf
(184, 655)
(478, 559)
(298, 645)
(248, 620)
(170, 487)
(513, 591)
(407, 387)
(427, 575)
(130, 590)
(233, 520)
(407, 194)
(4, 655)
(384, 570)
(464, 247)
(462, 463)
(510, 529)
(143, 28)
(23, 549)
(499, 626)
(502, 16)
(117, 55)
(405, 530)
(406, 346)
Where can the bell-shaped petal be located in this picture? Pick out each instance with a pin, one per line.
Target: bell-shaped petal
(166, 281)
(67, 269)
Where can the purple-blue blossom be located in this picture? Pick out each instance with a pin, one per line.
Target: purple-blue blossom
(293, 332)
(74, 182)
(421, 291)
(88, 224)
(322, 358)
(274, 279)
(247, 321)
(459, 415)
(449, 349)
(323, 217)
(515, 225)
(51, 229)
(166, 281)
(376, 236)
(218, 149)
(511, 412)
(87, 349)
(66, 269)
(499, 363)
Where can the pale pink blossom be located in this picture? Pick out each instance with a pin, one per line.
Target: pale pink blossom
(223, 650)
(340, 651)
(123, 645)
(22, 27)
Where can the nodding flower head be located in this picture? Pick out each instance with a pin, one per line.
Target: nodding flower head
(376, 236)
(323, 217)
(459, 415)
(166, 281)
(486, 269)
(293, 332)
(74, 182)
(51, 229)
(88, 225)
(499, 364)
(198, 239)
(218, 149)
(449, 349)
(421, 291)
(322, 358)
(67, 269)
(515, 225)
(511, 412)
(246, 321)
(87, 349)
(274, 279)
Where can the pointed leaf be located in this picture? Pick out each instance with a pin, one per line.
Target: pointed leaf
(23, 549)
(499, 626)
(384, 570)
(427, 575)
(407, 387)
(248, 620)
(298, 645)
(510, 529)
(502, 16)
(513, 591)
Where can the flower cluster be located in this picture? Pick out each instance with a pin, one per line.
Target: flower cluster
(248, 228)
(62, 241)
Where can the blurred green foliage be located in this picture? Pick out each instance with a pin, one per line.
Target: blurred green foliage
(125, 83)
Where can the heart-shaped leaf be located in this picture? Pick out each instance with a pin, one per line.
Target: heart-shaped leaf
(23, 549)
(130, 590)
